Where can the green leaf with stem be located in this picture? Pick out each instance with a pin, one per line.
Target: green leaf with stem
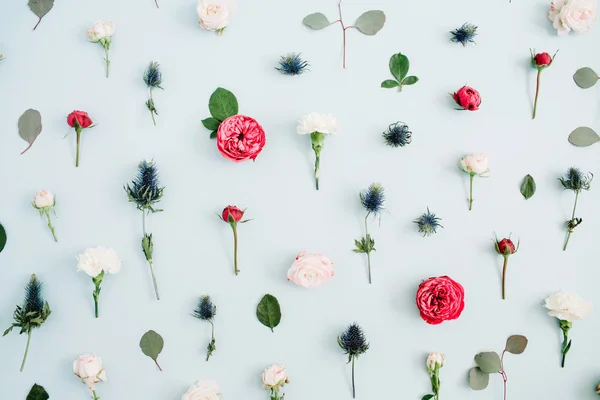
(316, 21)
(152, 345)
(370, 22)
(528, 187)
(268, 311)
(489, 362)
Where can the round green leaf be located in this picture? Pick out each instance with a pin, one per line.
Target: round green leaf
(316, 21)
(2, 238)
(210, 123)
(371, 22)
(583, 137)
(268, 311)
(399, 66)
(30, 126)
(516, 344)
(37, 392)
(152, 344)
(585, 77)
(410, 80)
(390, 83)
(489, 362)
(222, 104)
(478, 380)
(528, 187)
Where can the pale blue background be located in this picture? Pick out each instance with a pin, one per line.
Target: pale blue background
(56, 70)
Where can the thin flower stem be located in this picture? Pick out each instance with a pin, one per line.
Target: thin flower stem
(209, 353)
(95, 395)
(154, 279)
(353, 386)
(368, 252)
(537, 92)
(504, 376)
(144, 222)
(564, 348)
(107, 60)
(36, 25)
(156, 2)
(471, 191)
(26, 350)
(96, 307)
(572, 218)
(152, 112)
(504, 278)
(77, 153)
(50, 225)
(156, 362)
(317, 165)
(235, 251)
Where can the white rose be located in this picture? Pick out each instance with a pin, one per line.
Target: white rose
(568, 306)
(101, 30)
(576, 15)
(95, 260)
(274, 376)
(203, 390)
(433, 359)
(476, 163)
(89, 369)
(315, 122)
(310, 270)
(43, 199)
(214, 15)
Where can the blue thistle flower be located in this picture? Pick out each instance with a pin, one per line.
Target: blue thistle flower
(205, 310)
(372, 199)
(292, 64)
(428, 223)
(465, 34)
(145, 190)
(153, 76)
(576, 180)
(34, 302)
(397, 135)
(353, 341)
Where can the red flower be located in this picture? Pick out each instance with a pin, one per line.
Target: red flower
(240, 138)
(506, 247)
(81, 117)
(232, 215)
(539, 61)
(440, 299)
(234, 212)
(468, 98)
(542, 60)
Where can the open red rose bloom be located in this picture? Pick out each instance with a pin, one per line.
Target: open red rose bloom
(81, 117)
(440, 299)
(240, 138)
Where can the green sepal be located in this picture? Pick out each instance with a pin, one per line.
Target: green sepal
(148, 246)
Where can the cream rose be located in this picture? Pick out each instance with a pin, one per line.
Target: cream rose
(274, 376)
(95, 260)
(203, 390)
(214, 15)
(315, 122)
(43, 199)
(433, 359)
(568, 306)
(101, 30)
(310, 270)
(476, 163)
(89, 369)
(576, 15)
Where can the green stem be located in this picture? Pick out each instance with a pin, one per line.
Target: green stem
(95, 395)
(26, 349)
(471, 176)
(50, 225)
(572, 218)
(107, 60)
(504, 278)
(151, 111)
(317, 167)
(235, 251)
(537, 91)
(154, 279)
(78, 132)
(564, 348)
(353, 386)
(368, 252)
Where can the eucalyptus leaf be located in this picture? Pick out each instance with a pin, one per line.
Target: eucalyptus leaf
(371, 22)
(516, 344)
(2, 238)
(268, 311)
(410, 80)
(583, 137)
(152, 344)
(585, 77)
(30, 126)
(37, 392)
(488, 362)
(390, 83)
(211, 123)
(528, 187)
(399, 66)
(40, 8)
(478, 380)
(316, 21)
(222, 104)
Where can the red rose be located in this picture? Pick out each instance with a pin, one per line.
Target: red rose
(542, 59)
(240, 138)
(440, 299)
(235, 213)
(505, 247)
(81, 117)
(468, 98)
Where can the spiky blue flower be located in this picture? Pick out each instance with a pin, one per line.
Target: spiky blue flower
(153, 76)
(372, 199)
(145, 190)
(576, 180)
(353, 341)
(33, 302)
(205, 310)
(397, 135)
(292, 64)
(428, 223)
(465, 34)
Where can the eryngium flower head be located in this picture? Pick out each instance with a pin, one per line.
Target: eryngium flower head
(576, 180)
(428, 223)
(372, 198)
(145, 190)
(33, 302)
(292, 64)
(353, 341)
(397, 135)
(465, 34)
(205, 310)
(153, 76)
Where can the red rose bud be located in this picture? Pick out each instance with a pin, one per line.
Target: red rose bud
(232, 214)
(539, 61)
(468, 98)
(542, 60)
(81, 117)
(506, 247)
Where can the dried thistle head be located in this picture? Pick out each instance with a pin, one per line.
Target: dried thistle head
(576, 180)
(153, 76)
(353, 341)
(397, 135)
(145, 190)
(465, 34)
(372, 199)
(205, 310)
(34, 311)
(292, 64)
(428, 223)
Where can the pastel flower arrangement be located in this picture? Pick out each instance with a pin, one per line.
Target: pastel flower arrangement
(318, 126)
(96, 262)
(45, 201)
(88, 368)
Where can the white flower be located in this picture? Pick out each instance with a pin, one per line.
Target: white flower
(203, 390)
(101, 31)
(576, 15)
(214, 15)
(89, 369)
(95, 260)
(315, 122)
(274, 376)
(310, 270)
(43, 199)
(568, 306)
(433, 359)
(476, 163)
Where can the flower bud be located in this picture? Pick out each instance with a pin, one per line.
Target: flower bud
(435, 359)
(468, 98)
(232, 214)
(43, 199)
(542, 60)
(505, 247)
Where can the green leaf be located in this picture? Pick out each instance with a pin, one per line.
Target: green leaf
(489, 362)
(316, 21)
(410, 80)
(268, 311)
(399, 66)
(583, 137)
(585, 77)
(40, 8)
(213, 134)
(528, 187)
(2, 238)
(390, 83)
(478, 380)
(516, 344)
(211, 123)
(222, 104)
(371, 22)
(428, 397)
(152, 344)
(37, 392)
(30, 126)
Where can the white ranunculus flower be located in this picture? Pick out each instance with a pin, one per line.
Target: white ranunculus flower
(476, 163)
(95, 260)
(214, 15)
(315, 122)
(203, 390)
(43, 199)
(101, 30)
(274, 376)
(576, 15)
(89, 369)
(433, 359)
(568, 306)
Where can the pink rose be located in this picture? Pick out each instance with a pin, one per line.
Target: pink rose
(310, 270)
(440, 299)
(240, 138)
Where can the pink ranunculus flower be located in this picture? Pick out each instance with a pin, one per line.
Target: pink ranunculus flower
(240, 138)
(310, 270)
(572, 15)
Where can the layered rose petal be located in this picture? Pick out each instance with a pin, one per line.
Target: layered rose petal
(310, 270)
(203, 390)
(440, 299)
(81, 117)
(240, 138)
(568, 306)
(468, 98)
